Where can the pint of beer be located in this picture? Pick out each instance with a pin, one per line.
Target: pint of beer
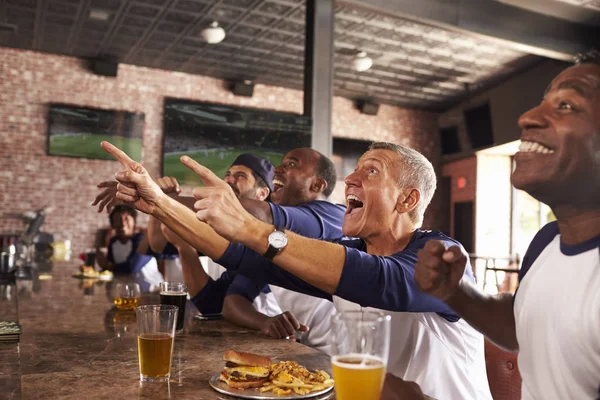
(156, 331)
(360, 344)
(175, 294)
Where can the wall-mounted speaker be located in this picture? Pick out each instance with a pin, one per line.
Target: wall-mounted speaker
(105, 66)
(245, 88)
(478, 121)
(368, 107)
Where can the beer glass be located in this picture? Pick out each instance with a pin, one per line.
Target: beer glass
(175, 294)
(360, 345)
(127, 296)
(156, 333)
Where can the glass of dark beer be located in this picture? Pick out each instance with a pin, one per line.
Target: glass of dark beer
(175, 294)
(156, 334)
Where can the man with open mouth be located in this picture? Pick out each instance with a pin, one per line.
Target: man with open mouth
(387, 196)
(553, 320)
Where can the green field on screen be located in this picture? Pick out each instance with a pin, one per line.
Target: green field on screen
(217, 160)
(88, 145)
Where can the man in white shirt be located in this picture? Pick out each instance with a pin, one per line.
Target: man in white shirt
(553, 320)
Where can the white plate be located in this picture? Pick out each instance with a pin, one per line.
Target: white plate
(251, 393)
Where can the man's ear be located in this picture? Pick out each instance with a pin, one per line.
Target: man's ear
(318, 185)
(262, 193)
(408, 200)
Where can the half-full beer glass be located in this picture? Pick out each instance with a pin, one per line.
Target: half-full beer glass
(175, 294)
(156, 332)
(360, 345)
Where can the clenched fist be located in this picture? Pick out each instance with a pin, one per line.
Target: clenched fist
(439, 270)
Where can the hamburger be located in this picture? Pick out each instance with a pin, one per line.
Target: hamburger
(245, 370)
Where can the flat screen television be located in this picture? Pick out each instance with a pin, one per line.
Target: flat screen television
(75, 131)
(215, 134)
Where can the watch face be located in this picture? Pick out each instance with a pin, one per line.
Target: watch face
(278, 239)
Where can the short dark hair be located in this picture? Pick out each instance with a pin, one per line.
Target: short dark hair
(592, 56)
(326, 170)
(122, 208)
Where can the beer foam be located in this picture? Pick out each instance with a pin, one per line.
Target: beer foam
(358, 361)
(173, 293)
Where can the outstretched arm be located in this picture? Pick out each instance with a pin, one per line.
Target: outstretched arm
(383, 282)
(439, 272)
(316, 262)
(137, 188)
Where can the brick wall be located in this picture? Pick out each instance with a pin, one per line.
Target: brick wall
(30, 179)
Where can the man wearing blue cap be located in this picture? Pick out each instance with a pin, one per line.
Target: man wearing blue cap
(250, 177)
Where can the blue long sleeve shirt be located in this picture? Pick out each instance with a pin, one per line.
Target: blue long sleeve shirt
(383, 282)
(316, 219)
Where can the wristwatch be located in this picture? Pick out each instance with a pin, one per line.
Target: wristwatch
(277, 242)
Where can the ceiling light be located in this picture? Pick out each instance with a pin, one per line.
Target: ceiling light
(362, 62)
(213, 34)
(98, 14)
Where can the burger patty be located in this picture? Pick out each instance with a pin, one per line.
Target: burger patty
(249, 378)
(230, 364)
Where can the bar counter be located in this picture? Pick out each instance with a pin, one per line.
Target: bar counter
(76, 345)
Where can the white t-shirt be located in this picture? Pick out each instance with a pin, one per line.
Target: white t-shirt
(311, 311)
(265, 303)
(557, 316)
(433, 352)
(149, 272)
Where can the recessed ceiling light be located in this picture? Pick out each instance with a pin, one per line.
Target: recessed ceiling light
(98, 14)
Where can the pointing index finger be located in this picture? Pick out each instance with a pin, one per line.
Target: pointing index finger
(207, 176)
(118, 154)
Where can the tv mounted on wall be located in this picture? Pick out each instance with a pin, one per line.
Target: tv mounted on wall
(75, 131)
(215, 134)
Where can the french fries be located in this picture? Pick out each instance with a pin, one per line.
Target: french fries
(288, 376)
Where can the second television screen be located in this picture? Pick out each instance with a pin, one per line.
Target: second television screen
(215, 134)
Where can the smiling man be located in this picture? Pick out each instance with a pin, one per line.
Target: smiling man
(387, 195)
(554, 318)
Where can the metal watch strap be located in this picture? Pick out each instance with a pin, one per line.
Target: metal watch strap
(272, 251)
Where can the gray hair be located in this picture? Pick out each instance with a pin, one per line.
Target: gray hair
(417, 172)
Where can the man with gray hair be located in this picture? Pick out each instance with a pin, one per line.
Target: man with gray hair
(386, 200)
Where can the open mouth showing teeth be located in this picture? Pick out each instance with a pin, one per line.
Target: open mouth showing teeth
(354, 203)
(534, 147)
(277, 184)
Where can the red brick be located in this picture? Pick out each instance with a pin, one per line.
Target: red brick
(30, 80)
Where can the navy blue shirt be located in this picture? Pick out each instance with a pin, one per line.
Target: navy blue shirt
(135, 262)
(384, 282)
(316, 219)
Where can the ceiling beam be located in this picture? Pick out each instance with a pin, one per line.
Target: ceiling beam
(522, 29)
